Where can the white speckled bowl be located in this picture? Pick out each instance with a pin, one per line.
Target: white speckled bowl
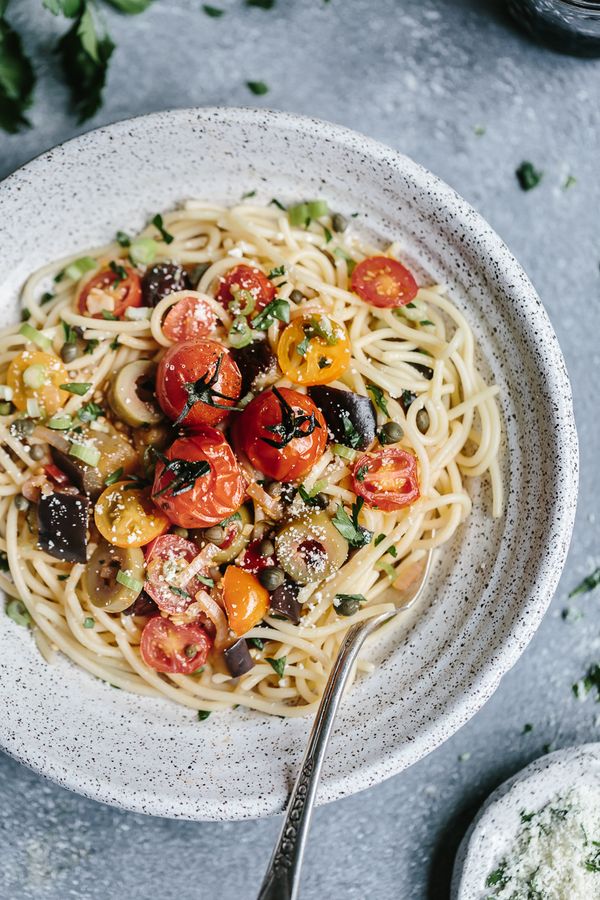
(496, 825)
(491, 586)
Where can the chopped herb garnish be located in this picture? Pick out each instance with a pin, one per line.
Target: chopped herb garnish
(591, 680)
(91, 345)
(185, 473)
(114, 476)
(203, 714)
(62, 577)
(114, 345)
(278, 204)
(589, 583)
(213, 11)
(248, 194)
(327, 233)
(528, 176)
(258, 88)
(292, 425)
(277, 272)
(570, 180)
(527, 728)
(258, 643)
(277, 664)
(360, 598)
(46, 297)
(89, 412)
(25, 315)
(261, 4)
(108, 315)
(351, 436)
(307, 497)
(179, 592)
(235, 517)
(118, 270)
(393, 552)
(122, 239)
(89, 622)
(277, 309)
(69, 333)
(157, 221)
(76, 387)
(426, 322)
(203, 391)
(378, 540)
(209, 582)
(379, 398)
(479, 130)
(355, 534)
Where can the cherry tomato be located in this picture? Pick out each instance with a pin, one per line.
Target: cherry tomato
(175, 649)
(113, 289)
(252, 559)
(189, 318)
(246, 278)
(166, 558)
(283, 433)
(387, 479)
(197, 382)
(126, 516)
(313, 349)
(203, 485)
(49, 373)
(246, 600)
(382, 281)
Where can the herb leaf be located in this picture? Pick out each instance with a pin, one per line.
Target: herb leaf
(256, 642)
(258, 88)
(69, 8)
(277, 664)
(85, 55)
(167, 237)
(351, 436)
(76, 387)
(89, 412)
(277, 272)
(276, 309)
(203, 714)
(355, 534)
(261, 4)
(130, 7)
(213, 11)
(113, 477)
(379, 398)
(528, 176)
(588, 584)
(17, 78)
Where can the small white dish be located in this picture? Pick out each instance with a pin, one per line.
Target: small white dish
(491, 586)
(495, 827)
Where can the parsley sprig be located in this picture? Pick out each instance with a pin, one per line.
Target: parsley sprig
(356, 535)
(292, 425)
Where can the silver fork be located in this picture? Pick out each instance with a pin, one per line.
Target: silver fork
(282, 878)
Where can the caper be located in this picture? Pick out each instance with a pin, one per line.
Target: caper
(37, 452)
(391, 433)
(23, 427)
(297, 296)
(69, 352)
(6, 408)
(423, 421)
(346, 607)
(180, 532)
(216, 534)
(21, 502)
(266, 548)
(199, 271)
(271, 577)
(339, 222)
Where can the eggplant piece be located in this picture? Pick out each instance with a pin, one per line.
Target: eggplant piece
(163, 279)
(143, 605)
(238, 658)
(284, 602)
(63, 525)
(254, 360)
(351, 418)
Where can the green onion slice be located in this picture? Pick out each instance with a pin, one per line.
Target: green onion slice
(17, 611)
(78, 268)
(76, 387)
(86, 453)
(128, 581)
(32, 334)
(35, 376)
(344, 452)
(298, 215)
(143, 251)
(60, 422)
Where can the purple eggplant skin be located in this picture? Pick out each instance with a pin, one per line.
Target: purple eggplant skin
(143, 605)
(284, 602)
(163, 279)
(238, 658)
(339, 408)
(63, 520)
(253, 360)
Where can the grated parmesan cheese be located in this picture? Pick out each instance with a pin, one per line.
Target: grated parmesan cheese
(556, 853)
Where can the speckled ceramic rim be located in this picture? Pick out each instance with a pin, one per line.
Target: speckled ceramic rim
(499, 266)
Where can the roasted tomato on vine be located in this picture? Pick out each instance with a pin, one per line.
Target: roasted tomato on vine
(109, 292)
(166, 558)
(384, 282)
(313, 349)
(126, 516)
(282, 433)
(198, 482)
(245, 280)
(387, 479)
(174, 649)
(197, 383)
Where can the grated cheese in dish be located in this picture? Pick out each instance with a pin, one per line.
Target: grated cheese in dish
(555, 855)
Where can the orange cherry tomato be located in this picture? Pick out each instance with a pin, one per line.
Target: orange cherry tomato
(246, 278)
(384, 282)
(127, 517)
(191, 317)
(175, 649)
(114, 288)
(313, 349)
(282, 432)
(198, 482)
(246, 600)
(387, 479)
(47, 376)
(197, 382)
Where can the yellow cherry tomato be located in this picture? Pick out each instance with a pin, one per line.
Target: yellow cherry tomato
(35, 375)
(314, 349)
(246, 600)
(126, 516)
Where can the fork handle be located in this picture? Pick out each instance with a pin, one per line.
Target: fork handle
(282, 878)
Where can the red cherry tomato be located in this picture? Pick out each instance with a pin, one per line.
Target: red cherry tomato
(176, 649)
(194, 500)
(246, 278)
(189, 318)
(197, 382)
(113, 289)
(387, 478)
(252, 559)
(166, 557)
(282, 433)
(382, 281)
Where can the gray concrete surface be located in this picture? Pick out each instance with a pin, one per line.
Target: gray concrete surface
(419, 75)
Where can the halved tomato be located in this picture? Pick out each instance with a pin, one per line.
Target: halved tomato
(387, 479)
(126, 516)
(166, 558)
(174, 649)
(246, 278)
(384, 282)
(314, 349)
(191, 317)
(111, 290)
(246, 600)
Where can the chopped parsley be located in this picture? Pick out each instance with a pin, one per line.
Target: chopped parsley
(108, 315)
(258, 88)
(277, 664)
(378, 540)
(69, 333)
(327, 233)
(393, 552)
(179, 592)
(261, 4)
(277, 203)
(209, 582)
(351, 436)
(497, 876)
(122, 239)
(277, 309)
(89, 412)
(214, 12)
(527, 728)
(46, 297)
(157, 221)
(528, 176)
(119, 271)
(308, 498)
(590, 681)
(348, 527)
(360, 598)
(258, 643)
(379, 398)
(360, 475)
(203, 714)
(91, 345)
(4, 567)
(588, 584)
(277, 272)
(248, 194)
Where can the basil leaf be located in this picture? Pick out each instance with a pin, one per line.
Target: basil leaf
(277, 664)
(130, 7)
(277, 309)
(378, 398)
(17, 79)
(85, 55)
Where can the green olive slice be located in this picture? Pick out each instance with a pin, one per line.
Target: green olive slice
(311, 548)
(101, 572)
(131, 394)
(235, 539)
